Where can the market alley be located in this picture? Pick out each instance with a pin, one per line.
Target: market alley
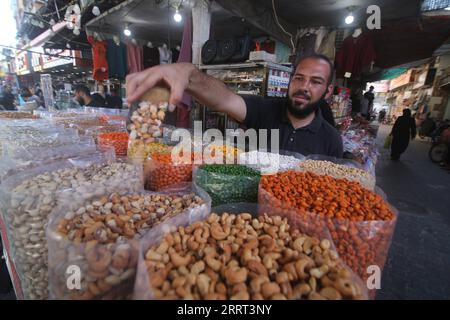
(419, 257)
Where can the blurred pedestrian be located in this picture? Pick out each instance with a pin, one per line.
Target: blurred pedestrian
(404, 129)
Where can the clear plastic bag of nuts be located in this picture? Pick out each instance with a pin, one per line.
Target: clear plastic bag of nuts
(359, 242)
(239, 256)
(29, 197)
(100, 238)
(38, 156)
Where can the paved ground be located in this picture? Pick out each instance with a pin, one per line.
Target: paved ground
(418, 265)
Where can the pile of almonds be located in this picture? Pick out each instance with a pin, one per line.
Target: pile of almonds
(237, 257)
(102, 239)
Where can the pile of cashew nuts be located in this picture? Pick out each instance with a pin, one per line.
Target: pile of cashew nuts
(102, 239)
(237, 257)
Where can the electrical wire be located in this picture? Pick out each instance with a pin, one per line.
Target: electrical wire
(282, 28)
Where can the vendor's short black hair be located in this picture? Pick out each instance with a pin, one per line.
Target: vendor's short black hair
(82, 88)
(318, 56)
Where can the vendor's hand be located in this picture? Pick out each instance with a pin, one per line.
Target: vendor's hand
(175, 76)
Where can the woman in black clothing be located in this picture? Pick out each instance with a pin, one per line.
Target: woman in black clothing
(403, 130)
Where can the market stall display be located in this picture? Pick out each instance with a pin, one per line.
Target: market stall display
(28, 199)
(359, 222)
(101, 216)
(228, 183)
(102, 236)
(239, 258)
(360, 145)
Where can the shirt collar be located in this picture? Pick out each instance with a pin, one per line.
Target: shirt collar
(313, 127)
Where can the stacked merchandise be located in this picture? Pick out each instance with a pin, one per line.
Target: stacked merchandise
(341, 104)
(90, 122)
(360, 145)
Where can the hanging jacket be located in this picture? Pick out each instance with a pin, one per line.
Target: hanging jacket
(355, 54)
(151, 57)
(327, 46)
(135, 58)
(100, 65)
(117, 59)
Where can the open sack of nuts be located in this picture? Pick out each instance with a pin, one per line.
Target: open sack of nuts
(140, 150)
(228, 183)
(237, 257)
(101, 235)
(339, 169)
(18, 141)
(29, 197)
(16, 115)
(163, 170)
(271, 163)
(220, 152)
(359, 222)
(116, 140)
(38, 156)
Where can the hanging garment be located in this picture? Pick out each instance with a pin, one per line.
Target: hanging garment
(165, 55)
(305, 46)
(355, 54)
(151, 57)
(135, 58)
(175, 54)
(100, 65)
(117, 59)
(327, 47)
(320, 35)
(184, 107)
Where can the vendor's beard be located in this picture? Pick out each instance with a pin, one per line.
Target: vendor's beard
(301, 112)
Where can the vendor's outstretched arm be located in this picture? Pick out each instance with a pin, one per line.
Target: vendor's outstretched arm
(182, 77)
